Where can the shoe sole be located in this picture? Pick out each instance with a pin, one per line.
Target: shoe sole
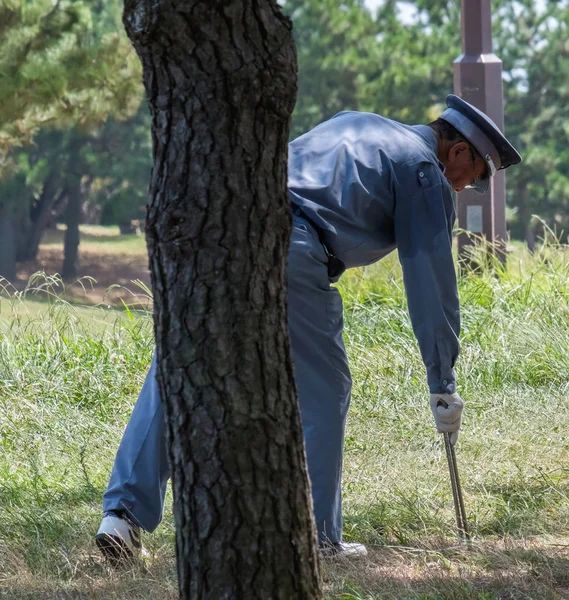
(351, 553)
(343, 556)
(114, 549)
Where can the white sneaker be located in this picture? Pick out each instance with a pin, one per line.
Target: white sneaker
(348, 550)
(118, 537)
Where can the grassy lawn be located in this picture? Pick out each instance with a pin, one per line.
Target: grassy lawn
(98, 238)
(69, 377)
(113, 268)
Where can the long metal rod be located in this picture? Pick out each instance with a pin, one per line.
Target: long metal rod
(465, 530)
(456, 503)
(459, 509)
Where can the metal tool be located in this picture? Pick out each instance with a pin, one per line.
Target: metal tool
(462, 523)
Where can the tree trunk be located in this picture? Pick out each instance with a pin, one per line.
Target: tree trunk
(221, 83)
(39, 217)
(127, 228)
(526, 219)
(8, 246)
(530, 236)
(72, 236)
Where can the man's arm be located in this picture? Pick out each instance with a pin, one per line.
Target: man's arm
(424, 218)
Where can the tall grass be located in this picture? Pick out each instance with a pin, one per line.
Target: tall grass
(513, 373)
(69, 378)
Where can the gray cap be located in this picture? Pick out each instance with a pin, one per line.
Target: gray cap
(484, 135)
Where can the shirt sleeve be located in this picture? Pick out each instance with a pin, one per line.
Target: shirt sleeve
(424, 218)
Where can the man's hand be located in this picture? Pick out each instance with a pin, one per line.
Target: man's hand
(447, 410)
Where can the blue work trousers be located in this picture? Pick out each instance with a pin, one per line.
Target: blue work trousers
(141, 471)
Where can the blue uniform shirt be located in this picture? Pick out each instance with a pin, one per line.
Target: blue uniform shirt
(372, 185)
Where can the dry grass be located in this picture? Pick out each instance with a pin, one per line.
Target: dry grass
(88, 577)
(109, 266)
(534, 568)
(97, 238)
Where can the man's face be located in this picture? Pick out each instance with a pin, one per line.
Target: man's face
(463, 166)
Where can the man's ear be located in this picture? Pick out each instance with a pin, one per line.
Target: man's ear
(458, 149)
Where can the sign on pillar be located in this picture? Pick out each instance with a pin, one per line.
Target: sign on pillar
(478, 79)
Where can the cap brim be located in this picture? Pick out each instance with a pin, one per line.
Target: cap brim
(508, 155)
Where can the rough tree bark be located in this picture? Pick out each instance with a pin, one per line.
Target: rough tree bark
(221, 82)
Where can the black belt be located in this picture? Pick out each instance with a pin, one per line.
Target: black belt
(335, 266)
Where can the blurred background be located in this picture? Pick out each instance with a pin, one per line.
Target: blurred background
(75, 143)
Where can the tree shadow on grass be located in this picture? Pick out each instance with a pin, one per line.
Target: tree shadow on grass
(91, 578)
(47, 553)
(408, 535)
(487, 572)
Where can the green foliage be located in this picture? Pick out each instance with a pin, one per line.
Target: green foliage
(62, 65)
(70, 64)
(413, 62)
(335, 44)
(349, 60)
(66, 67)
(533, 46)
(120, 160)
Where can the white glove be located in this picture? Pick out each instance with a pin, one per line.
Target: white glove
(447, 411)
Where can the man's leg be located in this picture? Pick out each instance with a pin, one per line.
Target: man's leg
(139, 477)
(141, 470)
(322, 373)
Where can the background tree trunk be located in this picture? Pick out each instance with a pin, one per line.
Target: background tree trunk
(221, 82)
(527, 226)
(72, 235)
(8, 245)
(530, 237)
(74, 209)
(127, 228)
(39, 217)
